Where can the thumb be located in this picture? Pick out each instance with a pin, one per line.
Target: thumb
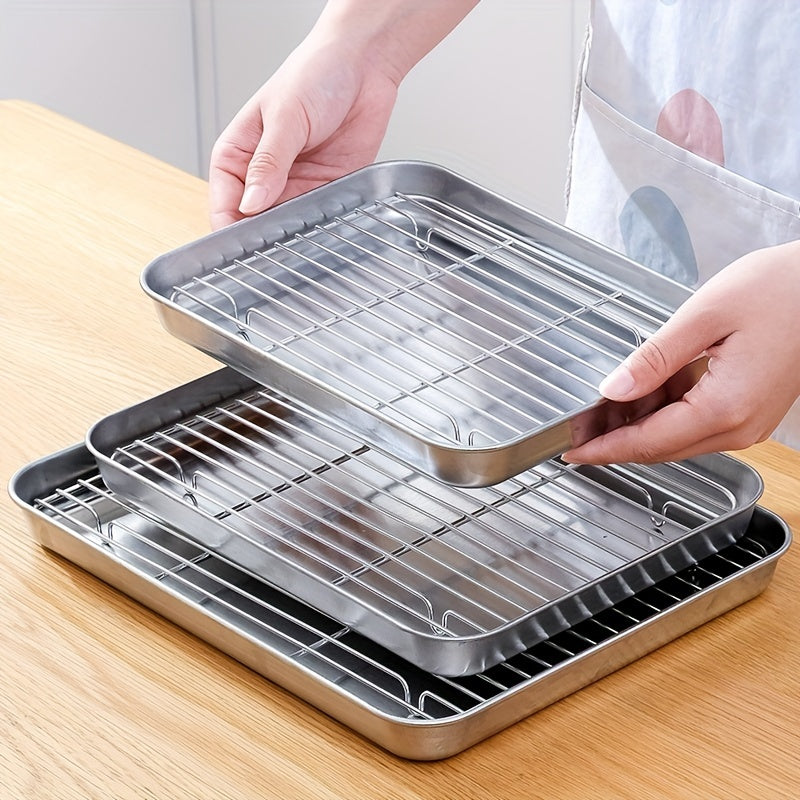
(673, 346)
(268, 170)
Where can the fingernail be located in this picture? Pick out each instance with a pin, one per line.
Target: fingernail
(618, 385)
(254, 199)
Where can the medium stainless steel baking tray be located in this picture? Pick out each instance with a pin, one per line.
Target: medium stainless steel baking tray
(438, 321)
(409, 712)
(454, 580)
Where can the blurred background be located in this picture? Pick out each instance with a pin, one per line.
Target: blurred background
(493, 102)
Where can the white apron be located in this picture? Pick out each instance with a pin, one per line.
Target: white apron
(686, 144)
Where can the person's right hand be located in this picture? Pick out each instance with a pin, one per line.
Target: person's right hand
(325, 111)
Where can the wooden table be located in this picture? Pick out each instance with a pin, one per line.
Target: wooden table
(101, 698)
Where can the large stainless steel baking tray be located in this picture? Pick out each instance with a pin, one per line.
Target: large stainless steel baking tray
(455, 580)
(411, 713)
(436, 320)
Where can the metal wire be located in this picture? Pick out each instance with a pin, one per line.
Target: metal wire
(222, 589)
(453, 326)
(264, 471)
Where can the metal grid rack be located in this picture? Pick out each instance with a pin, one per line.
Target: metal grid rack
(254, 513)
(411, 562)
(455, 328)
(359, 669)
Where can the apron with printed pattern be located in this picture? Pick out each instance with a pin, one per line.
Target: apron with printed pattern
(687, 119)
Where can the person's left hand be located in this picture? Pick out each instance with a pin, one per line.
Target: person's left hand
(747, 321)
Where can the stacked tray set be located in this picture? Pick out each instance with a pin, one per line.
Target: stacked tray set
(366, 505)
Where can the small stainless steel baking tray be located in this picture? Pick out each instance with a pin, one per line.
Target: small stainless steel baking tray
(454, 580)
(436, 320)
(409, 712)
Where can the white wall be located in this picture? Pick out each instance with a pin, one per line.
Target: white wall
(123, 67)
(492, 102)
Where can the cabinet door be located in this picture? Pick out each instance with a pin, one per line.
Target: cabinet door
(123, 67)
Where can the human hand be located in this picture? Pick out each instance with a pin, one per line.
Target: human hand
(315, 119)
(746, 319)
(325, 111)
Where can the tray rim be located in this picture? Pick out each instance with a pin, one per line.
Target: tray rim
(381, 727)
(416, 641)
(458, 465)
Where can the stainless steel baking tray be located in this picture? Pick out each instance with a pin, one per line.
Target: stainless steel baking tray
(454, 580)
(409, 712)
(436, 320)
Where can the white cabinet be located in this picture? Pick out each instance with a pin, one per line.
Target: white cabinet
(492, 102)
(125, 68)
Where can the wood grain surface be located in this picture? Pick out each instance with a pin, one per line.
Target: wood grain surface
(101, 698)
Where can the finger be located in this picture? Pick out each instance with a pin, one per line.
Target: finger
(687, 427)
(225, 192)
(285, 135)
(228, 165)
(713, 444)
(684, 337)
(633, 444)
